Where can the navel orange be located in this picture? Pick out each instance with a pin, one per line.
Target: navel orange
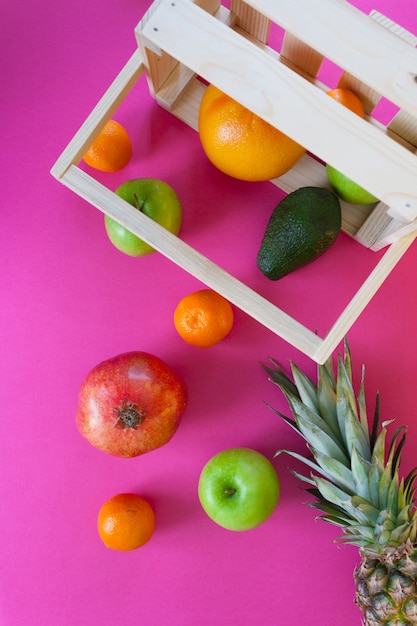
(241, 144)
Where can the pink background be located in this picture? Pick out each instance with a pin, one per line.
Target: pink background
(70, 300)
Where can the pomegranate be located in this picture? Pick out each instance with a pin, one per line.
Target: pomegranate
(130, 404)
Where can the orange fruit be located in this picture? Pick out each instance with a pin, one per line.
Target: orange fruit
(348, 99)
(203, 318)
(111, 150)
(241, 144)
(126, 522)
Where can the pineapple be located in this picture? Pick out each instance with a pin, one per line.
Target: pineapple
(355, 483)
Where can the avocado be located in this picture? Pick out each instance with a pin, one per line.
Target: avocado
(301, 228)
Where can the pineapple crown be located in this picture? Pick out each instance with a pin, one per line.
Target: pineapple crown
(355, 479)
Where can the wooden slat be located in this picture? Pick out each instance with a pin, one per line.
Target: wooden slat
(231, 288)
(192, 261)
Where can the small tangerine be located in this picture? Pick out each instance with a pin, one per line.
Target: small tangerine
(111, 150)
(349, 99)
(126, 522)
(203, 318)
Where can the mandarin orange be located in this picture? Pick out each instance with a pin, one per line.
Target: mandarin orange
(349, 99)
(111, 150)
(126, 522)
(203, 318)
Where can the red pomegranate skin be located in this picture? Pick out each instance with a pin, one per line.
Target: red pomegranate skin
(130, 404)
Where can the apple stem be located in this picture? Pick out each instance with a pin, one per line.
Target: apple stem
(229, 492)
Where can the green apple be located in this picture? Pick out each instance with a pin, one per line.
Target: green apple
(157, 200)
(239, 488)
(346, 189)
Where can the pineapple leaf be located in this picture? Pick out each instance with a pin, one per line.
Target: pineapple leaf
(345, 398)
(328, 368)
(335, 519)
(335, 471)
(303, 478)
(400, 534)
(330, 519)
(392, 495)
(384, 486)
(301, 458)
(326, 396)
(364, 532)
(333, 510)
(316, 436)
(307, 390)
(351, 481)
(360, 471)
(346, 519)
(363, 414)
(321, 504)
(396, 449)
(355, 437)
(371, 512)
(388, 483)
(353, 540)
(378, 451)
(289, 421)
(405, 514)
(356, 507)
(373, 483)
(376, 422)
(409, 485)
(280, 378)
(402, 496)
(347, 359)
(331, 493)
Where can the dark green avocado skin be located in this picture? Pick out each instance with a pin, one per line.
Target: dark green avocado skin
(301, 228)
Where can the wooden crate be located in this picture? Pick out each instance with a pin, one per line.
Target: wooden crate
(181, 42)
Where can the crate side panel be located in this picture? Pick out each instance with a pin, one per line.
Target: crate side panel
(287, 101)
